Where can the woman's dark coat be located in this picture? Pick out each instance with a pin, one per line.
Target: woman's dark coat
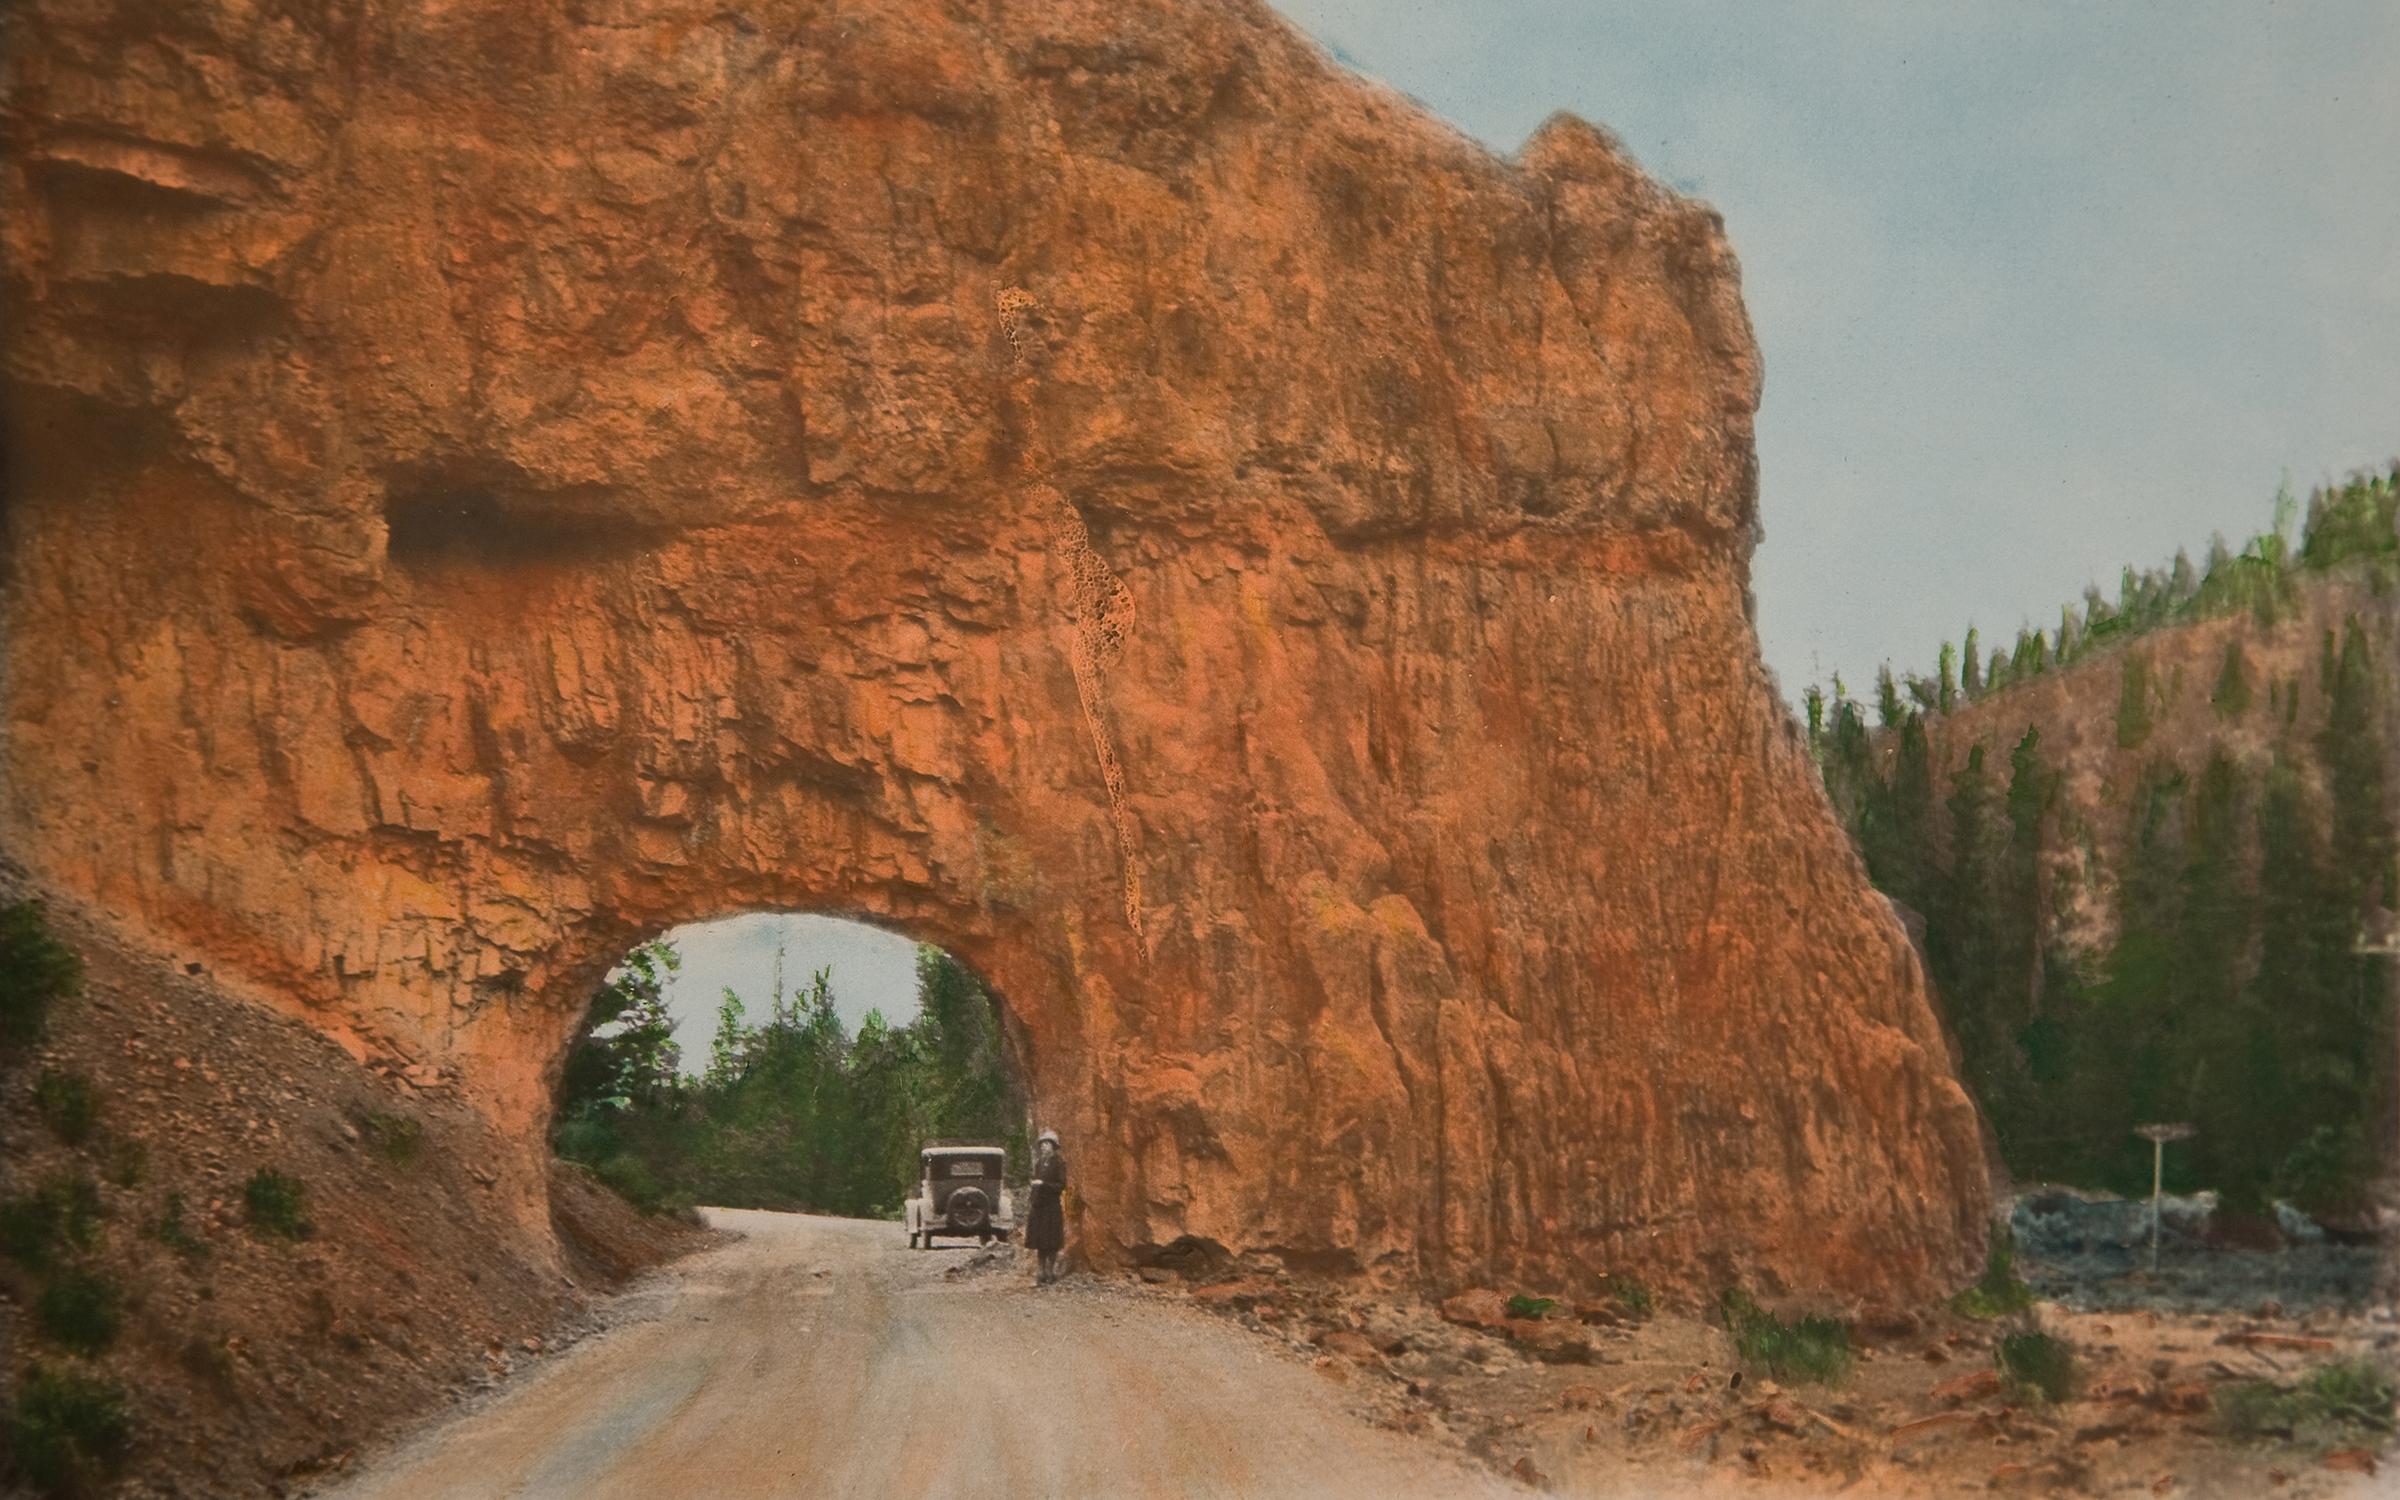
(1046, 1225)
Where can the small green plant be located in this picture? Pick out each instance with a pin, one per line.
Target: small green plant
(277, 1204)
(66, 1105)
(170, 1230)
(1812, 1349)
(62, 1213)
(2001, 1291)
(80, 1310)
(636, 1184)
(1524, 1306)
(2345, 1401)
(127, 1161)
(69, 1430)
(1633, 1297)
(36, 971)
(585, 1138)
(395, 1138)
(2034, 1363)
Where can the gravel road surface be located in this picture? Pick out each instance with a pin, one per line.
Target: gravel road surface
(821, 1357)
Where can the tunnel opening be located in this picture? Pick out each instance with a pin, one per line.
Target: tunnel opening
(798, 1063)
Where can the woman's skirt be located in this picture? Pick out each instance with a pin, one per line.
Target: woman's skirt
(1046, 1226)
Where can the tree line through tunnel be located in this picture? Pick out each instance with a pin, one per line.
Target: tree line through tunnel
(803, 1098)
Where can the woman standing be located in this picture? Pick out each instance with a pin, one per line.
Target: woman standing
(1046, 1226)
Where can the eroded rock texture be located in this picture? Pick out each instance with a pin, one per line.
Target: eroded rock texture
(1088, 483)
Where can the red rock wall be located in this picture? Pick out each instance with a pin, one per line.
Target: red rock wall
(1090, 484)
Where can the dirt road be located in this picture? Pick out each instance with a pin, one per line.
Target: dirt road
(820, 1357)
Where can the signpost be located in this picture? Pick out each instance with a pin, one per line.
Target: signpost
(2158, 1136)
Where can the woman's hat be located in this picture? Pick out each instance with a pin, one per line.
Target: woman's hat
(1047, 1137)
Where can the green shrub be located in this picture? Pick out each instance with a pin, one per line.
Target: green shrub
(277, 1204)
(69, 1430)
(36, 971)
(395, 1138)
(1523, 1306)
(1804, 1349)
(2034, 1363)
(66, 1105)
(2334, 1403)
(1630, 1294)
(632, 1180)
(170, 1230)
(585, 1138)
(127, 1161)
(80, 1310)
(62, 1213)
(2001, 1291)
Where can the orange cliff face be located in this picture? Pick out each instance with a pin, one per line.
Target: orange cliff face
(1091, 485)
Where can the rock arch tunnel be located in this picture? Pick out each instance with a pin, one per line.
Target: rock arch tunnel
(1259, 579)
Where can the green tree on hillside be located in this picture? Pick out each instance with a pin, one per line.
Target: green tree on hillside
(2304, 988)
(2352, 749)
(1888, 711)
(1908, 842)
(2133, 703)
(2231, 697)
(1967, 945)
(2127, 1038)
(2224, 1063)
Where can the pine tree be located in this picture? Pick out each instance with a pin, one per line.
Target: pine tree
(2231, 699)
(727, 1049)
(1946, 685)
(2318, 1104)
(1965, 946)
(2032, 790)
(2124, 1042)
(2222, 1054)
(1908, 856)
(2133, 703)
(1888, 711)
(2351, 746)
(1970, 667)
(2031, 655)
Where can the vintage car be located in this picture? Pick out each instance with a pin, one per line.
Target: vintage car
(959, 1192)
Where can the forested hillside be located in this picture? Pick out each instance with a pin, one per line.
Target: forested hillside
(2153, 853)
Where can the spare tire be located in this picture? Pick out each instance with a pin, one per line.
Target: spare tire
(969, 1210)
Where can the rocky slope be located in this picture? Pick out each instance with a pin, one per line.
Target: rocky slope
(1090, 484)
(247, 1356)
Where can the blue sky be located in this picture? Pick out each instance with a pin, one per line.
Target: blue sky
(2042, 288)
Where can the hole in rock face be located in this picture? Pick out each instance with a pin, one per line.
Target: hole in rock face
(794, 1063)
(473, 528)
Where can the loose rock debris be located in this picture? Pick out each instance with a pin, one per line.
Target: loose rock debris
(1926, 1412)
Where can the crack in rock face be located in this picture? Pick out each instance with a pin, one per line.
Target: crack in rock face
(488, 483)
